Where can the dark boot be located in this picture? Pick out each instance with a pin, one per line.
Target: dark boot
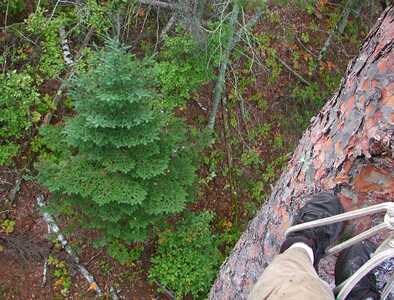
(348, 262)
(321, 206)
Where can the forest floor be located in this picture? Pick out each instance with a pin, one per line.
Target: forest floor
(264, 117)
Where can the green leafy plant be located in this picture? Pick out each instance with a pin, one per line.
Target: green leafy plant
(273, 64)
(307, 5)
(129, 163)
(278, 142)
(50, 145)
(12, 6)
(183, 68)
(61, 273)
(274, 16)
(257, 189)
(123, 254)
(105, 267)
(261, 131)
(264, 130)
(264, 41)
(305, 37)
(47, 30)
(17, 96)
(187, 258)
(251, 157)
(309, 94)
(95, 15)
(261, 103)
(7, 226)
(314, 95)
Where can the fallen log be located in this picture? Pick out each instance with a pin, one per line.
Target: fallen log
(349, 147)
(54, 228)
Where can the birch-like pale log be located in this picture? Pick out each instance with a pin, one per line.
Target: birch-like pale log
(53, 228)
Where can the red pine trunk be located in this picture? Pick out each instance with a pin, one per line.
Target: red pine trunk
(348, 146)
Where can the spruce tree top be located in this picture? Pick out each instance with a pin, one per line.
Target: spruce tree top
(131, 163)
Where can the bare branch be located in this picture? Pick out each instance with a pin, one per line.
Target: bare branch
(232, 41)
(67, 56)
(167, 28)
(159, 4)
(68, 75)
(295, 73)
(14, 191)
(44, 273)
(339, 28)
(245, 29)
(220, 83)
(168, 292)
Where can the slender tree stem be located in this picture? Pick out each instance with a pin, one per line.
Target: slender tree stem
(220, 83)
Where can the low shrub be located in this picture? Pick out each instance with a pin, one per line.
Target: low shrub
(187, 258)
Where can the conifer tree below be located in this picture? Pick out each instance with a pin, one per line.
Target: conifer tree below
(127, 163)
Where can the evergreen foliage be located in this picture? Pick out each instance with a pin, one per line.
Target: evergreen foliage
(187, 259)
(131, 165)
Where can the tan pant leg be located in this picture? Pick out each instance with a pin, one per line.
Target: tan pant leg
(291, 276)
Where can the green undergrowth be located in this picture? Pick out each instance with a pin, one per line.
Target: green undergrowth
(183, 68)
(20, 110)
(187, 257)
(30, 63)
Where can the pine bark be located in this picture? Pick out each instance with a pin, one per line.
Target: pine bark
(349, 147)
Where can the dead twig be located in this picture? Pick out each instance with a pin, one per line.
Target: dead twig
(2, 181)
(166, 291)
(143, 24)
(245, 29)
(14, 191)
(6, 15)
(295, 73)
(220, 83)
(339, 28)
(168, 26)
(159, 4)
(24, 247)
(93, 257)
(44, 273)
(305, 48)
(113, 294)
(231, 181)
(232, 41)
(157, 29)
(6, 211)
(69, 74)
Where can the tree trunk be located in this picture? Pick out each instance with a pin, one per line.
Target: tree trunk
(191, 14)
(225, 60)
(349, 146)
